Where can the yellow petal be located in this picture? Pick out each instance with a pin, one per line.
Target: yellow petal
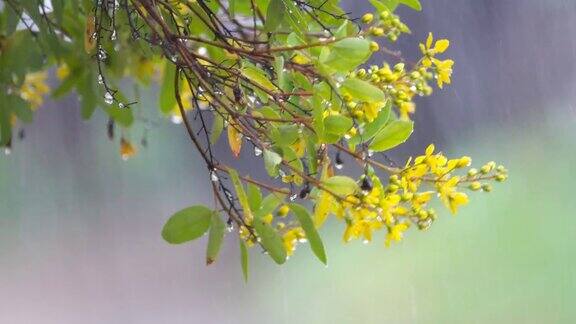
(441, 45)
(429, 40)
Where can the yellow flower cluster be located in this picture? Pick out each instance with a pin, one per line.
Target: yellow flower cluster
(34, 88)
(403, 201)
(401, 83)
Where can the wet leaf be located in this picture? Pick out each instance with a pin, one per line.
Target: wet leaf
(311, 234)
(244, 259)
(363, 90)
(341, 185)
(187, 224)
(270, 240)
(394, 134)
(215, 238)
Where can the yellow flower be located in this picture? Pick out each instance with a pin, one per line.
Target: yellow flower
(126, 149)
(34, 88)
(451, 198)
(63, 71)
(291, 238)
(268, 218)
(440, 46)
(396, 233)
(444, 70)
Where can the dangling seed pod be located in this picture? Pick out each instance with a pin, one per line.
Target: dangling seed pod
(110, 129)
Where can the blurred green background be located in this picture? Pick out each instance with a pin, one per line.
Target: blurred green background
(79, 227)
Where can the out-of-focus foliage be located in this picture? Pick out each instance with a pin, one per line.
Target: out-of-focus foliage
(287, 81)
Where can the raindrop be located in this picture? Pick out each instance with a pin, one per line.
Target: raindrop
(338, 163)
(370, 153)
(293, 197)
(214, 176)
(102, 55)
(257, 151)
(230, 227)
(108, 99)
(100, 79)
(113, 36)
(120, 105)
(176, 119)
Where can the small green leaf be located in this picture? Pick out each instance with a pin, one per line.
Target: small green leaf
(274, 15)
(374, 127)
(257, 76)
(295, 18)
(244, 259)
(337, 124)
(217, 127)
(384, 4)
(215, 238)
(347, 54)
(269, 203)
(240, 193)
(394, 134)
(254, 196)
(363, 90)
(341, 185)
(271, 162)
(414, 4)
(271, 241)
(187, 225)
(311, 234)
(167, 99)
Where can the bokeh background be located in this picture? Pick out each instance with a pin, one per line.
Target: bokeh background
(79, 227)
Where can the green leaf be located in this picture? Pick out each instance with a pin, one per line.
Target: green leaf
(217, 127)
(257, 76)
(274, 15)
(374, 127)
(394, 134)
(269, 203)
(240, 193)
(311, 234)
(414, 4)
(341, 185)
(271, 162)
(167, 97)
(122, 116)
(244, 259)
(254, 196)
(188, 224)
(363, 90)
(271, 241)
(215, 238)
(347, 54)
(384, 4)
(337, 124)
(295, 18)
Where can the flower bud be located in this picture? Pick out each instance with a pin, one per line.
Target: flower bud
(377, 31)
(475, 186)
(283, 210)
(374, 47)
(464, 162)
(367, 18)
